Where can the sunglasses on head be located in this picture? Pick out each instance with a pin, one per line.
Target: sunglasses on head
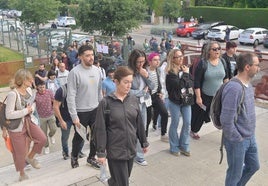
(215, 49)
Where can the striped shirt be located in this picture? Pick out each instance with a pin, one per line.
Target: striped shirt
(153, 78)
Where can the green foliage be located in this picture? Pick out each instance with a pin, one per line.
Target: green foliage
(3, 4)
(210, 3)
(111, 17)
(255, 17)
(257, 3)
(156, 5)
(68, 2)
(171, 8)
(233, 3)
(36, 11)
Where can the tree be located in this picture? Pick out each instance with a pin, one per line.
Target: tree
(171, 9)
(156, 6)
(3, 4)
(37, 12)
(111, 17)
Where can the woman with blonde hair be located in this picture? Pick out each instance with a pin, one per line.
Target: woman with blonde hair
(20, 104)
(178, 83)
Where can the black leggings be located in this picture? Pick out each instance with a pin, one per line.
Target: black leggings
(159, 108)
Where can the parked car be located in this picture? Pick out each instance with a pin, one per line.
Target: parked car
(13, 13)
(265, 41)
(10, 25)
(48, 37)
(186, 29)
(253, 36)
(81, 39)
(218, 32)
(66, 21)
(201, 31)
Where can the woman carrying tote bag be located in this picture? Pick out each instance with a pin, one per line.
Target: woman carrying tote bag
(19, 104)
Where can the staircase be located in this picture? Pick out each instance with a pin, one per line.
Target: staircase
(54, 171)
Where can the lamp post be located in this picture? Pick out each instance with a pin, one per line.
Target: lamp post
(182, 7)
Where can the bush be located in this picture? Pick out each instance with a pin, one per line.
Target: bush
(158, 30)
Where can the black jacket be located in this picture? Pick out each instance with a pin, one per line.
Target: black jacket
(228, 64)
(117, 140)
(175, 84)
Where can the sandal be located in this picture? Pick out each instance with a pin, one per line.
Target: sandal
(194, 135)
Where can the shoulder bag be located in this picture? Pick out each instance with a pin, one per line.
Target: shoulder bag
(10, 124)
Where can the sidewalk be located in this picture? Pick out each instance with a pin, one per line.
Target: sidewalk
(200, 169)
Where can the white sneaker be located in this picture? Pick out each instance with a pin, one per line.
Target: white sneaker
(46, 150)
(142, 163)
(52, 139)
(164, 138)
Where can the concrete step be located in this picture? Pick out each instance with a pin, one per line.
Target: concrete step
(56, 171)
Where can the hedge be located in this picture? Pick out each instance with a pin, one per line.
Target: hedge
(240, 17)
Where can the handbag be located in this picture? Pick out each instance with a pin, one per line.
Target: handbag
(10, 124)
(187, 92)
(187, 97)
(8, 144)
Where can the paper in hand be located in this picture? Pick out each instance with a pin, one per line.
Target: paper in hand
(82, 131)
(204, 107)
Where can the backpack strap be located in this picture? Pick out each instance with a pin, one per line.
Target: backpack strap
(64, 94)
(5, 99)
(225, 67)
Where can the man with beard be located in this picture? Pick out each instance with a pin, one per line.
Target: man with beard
(83, 96)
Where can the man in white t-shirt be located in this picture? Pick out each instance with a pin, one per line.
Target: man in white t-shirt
(62, 74)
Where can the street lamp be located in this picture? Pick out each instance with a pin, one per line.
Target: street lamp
(182, 7)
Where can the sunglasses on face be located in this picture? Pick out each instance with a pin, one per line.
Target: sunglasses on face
(215, 49)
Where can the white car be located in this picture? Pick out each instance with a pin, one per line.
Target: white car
(56, 39)
(252, 36)
(66, 21)
(218, 32)
(10, 25)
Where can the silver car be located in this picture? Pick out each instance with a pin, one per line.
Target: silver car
(253, 36)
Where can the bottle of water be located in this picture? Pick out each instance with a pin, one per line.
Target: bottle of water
(103, 173)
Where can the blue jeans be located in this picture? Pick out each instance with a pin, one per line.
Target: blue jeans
(65, 137)
(179, 143)
(140, 155)
(242, 159)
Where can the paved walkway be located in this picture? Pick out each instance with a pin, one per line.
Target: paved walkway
(200, 169)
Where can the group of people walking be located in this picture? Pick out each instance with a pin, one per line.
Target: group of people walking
(147, 89)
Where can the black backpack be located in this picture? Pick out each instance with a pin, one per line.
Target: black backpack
(216, 105)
